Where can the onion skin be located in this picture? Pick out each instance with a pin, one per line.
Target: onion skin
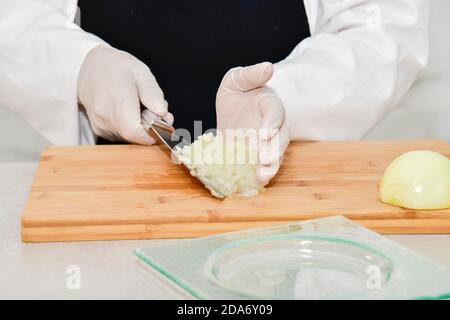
(418, 180)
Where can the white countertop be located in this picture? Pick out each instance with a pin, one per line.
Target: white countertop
(108, 268)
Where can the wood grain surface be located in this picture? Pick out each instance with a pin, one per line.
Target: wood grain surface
(134, 192)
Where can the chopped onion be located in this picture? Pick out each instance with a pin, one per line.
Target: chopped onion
(230, 166)
(417, 180)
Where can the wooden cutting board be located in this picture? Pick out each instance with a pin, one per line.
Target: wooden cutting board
(132, 192)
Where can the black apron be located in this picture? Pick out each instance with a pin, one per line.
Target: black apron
(190, 44)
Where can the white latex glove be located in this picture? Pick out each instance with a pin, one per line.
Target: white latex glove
(112, 84)
(244, 102)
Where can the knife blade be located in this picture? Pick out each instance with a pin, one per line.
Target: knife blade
(167, 135)
(164, 131)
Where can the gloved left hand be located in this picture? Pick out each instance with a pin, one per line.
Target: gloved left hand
(112, 84)
(244, 102)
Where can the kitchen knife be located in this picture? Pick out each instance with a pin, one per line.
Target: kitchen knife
(164, 131)
(167, 135)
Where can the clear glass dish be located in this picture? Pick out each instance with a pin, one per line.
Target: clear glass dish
(296, 266)
(329, 258)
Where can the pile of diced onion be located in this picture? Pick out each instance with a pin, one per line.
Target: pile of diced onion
(229, 165)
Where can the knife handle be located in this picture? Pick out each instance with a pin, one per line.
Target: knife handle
(150, 119)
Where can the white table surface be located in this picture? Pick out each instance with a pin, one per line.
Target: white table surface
(108, 268)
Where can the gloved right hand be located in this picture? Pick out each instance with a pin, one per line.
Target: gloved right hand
(245, 102)
(112, 84)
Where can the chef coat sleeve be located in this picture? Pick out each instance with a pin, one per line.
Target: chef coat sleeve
(361, 58)
(41, 52)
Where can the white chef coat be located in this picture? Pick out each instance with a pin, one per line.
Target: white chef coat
(338, 84)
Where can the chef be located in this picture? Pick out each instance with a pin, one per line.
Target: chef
(317, 69)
